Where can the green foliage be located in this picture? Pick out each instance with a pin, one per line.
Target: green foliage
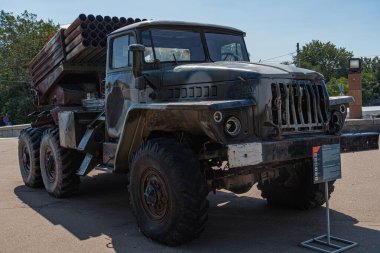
(21, 38)
(370, 86)
(333, 86)
(325, 58)
(332, 62)
(370, 80)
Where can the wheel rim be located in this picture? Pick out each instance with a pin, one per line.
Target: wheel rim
(153, 194)
(50, 165)
(26, 160)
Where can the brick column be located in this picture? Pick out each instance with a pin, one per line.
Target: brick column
(355, 90)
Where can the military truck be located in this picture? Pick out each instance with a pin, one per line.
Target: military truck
(181, 109)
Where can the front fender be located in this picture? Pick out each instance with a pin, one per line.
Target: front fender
(338, 112)
(192, 117)
(339, 100)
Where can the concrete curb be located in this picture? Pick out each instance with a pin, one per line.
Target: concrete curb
(12, 131)
(362, 125)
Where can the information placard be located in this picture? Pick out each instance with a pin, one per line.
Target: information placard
(326, 163)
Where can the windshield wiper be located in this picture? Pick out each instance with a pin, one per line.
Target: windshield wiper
(175, 59)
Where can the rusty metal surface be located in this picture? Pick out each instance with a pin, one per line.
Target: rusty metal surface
(80, 19)
(57, 75)
(83, 42)
(54, 43)
(56, 110)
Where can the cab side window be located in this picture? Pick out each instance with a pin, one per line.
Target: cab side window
(121, 56)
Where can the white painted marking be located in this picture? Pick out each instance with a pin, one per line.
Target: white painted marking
(240, 155)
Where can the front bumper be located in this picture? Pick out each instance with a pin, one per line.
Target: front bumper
(296, 147)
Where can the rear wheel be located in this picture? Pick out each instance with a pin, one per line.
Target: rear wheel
(58, 166)
(294, 188)
(168, 192)
(29, 156)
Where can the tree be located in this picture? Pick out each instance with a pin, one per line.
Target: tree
(370, 80)
(333, 86)
(21, 38)
(325, 58)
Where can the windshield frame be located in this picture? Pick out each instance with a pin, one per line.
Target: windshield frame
(201, 31)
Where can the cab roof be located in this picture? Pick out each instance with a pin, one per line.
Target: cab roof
(176, 25)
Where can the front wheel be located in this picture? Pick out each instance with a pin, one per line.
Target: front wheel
(168, 192)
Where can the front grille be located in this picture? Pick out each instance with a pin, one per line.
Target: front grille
(298, 106)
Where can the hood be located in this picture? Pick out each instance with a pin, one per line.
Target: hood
(229, 71)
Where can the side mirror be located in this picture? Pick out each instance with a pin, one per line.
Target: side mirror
(137, 56)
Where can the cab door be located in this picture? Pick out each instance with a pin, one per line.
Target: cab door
(120, 82)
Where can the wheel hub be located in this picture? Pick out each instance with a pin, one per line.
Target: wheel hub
(155, 200)
(50, 166)
(151, 194)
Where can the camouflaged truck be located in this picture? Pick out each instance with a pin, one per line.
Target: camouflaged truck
(184, 112)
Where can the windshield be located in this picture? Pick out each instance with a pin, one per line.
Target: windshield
(186, 46)
(226, 47)
(172, 45)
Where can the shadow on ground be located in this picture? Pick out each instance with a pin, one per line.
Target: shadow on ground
(236, 223)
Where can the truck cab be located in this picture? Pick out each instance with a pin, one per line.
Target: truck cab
(174, 62)
(196, 79)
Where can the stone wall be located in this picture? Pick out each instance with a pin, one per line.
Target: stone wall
(12, 131)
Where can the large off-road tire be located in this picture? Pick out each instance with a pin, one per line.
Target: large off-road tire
(295, 188)
(168, 192)
(58, 166)
(29, 156)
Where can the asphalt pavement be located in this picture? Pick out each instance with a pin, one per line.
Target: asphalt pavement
(99, 218)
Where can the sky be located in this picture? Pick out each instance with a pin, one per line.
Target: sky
(273, 27)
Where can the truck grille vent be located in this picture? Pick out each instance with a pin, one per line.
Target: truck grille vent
(299, 105)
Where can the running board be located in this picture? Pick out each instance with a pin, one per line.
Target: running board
(89, 164)
(104, 168)
(86, 166)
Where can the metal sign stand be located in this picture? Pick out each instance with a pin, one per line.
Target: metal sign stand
(327, 243)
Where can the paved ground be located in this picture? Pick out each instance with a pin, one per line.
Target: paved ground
(100, 218)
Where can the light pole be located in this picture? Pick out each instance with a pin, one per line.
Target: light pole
(355, 87)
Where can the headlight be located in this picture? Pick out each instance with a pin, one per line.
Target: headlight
(232, 126)
(218, 116)
(336, 122)
(342, 109)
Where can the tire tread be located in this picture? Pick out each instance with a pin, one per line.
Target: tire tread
(190, 183)
(68, 183)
